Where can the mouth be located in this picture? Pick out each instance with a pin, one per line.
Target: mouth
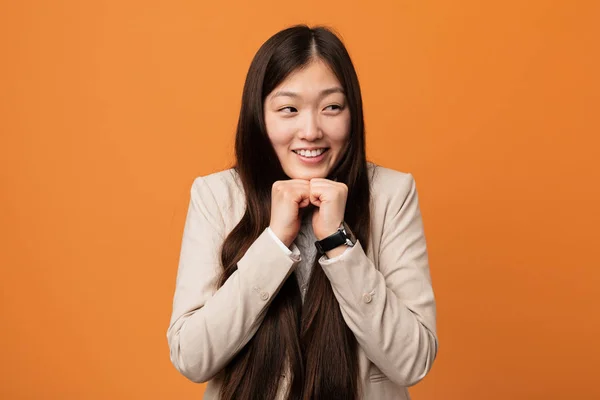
(313, 153)
(311, 157)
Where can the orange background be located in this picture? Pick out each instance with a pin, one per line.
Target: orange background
(110, 109)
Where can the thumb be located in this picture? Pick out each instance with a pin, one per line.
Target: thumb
(305, 202)
(315, 196)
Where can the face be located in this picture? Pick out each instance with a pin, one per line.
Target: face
(308, 121)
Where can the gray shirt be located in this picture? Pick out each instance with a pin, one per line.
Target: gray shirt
(308, 251)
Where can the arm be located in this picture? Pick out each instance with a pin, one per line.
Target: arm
(209, 326)
(391, 311)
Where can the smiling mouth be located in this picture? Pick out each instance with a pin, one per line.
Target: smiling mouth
(311, 153)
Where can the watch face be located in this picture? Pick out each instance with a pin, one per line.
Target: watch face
(348, 232)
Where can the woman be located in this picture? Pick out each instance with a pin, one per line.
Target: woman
(303, 270)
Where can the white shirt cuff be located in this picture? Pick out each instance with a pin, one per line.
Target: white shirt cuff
(324, 260)
(294, 253)
(279, 242)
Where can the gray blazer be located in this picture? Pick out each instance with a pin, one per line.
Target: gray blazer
(385, 294)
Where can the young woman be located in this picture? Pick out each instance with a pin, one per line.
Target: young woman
(303, 270)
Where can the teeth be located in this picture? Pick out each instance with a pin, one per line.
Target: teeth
(310, 153)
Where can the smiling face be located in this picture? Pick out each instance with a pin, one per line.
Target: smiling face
(308, 121)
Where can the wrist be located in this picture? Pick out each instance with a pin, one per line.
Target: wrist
(336, 243)
(323, 233)
(338, 251)
(287, 242)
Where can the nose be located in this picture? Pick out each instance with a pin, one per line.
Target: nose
(310, 129)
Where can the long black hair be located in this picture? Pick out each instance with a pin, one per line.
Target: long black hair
(309, 341)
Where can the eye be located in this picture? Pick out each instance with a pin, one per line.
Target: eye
(333, 107)
(288, 109)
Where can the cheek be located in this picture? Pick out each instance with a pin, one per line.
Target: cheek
(280, 132)
(338, 130)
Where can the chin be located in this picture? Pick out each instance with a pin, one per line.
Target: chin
(306, 175)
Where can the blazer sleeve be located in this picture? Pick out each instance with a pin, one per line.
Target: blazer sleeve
(209, 326)
(391, 311)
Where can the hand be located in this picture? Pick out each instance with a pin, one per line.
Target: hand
(287, 198)
(330, 198)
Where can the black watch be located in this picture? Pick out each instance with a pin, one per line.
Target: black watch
(343, 236)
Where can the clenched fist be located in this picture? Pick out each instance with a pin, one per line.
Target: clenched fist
(287, 198)
(330, 198)
(290, 196)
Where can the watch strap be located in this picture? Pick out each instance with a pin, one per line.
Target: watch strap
(331, 242)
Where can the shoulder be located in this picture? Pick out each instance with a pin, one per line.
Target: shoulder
(225, 182)
(387, 183)
(222, 191)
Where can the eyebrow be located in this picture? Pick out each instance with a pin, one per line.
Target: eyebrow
(323, 93)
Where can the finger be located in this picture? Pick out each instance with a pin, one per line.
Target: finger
(298, 185)
(322, 186)
(315, 196)
(298, 180)
(328, 189)
(289, 188)
(326, 183)
(301, 195)
(291, 183)
(304, 203)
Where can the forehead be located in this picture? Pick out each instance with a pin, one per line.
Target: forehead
(312, 78)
